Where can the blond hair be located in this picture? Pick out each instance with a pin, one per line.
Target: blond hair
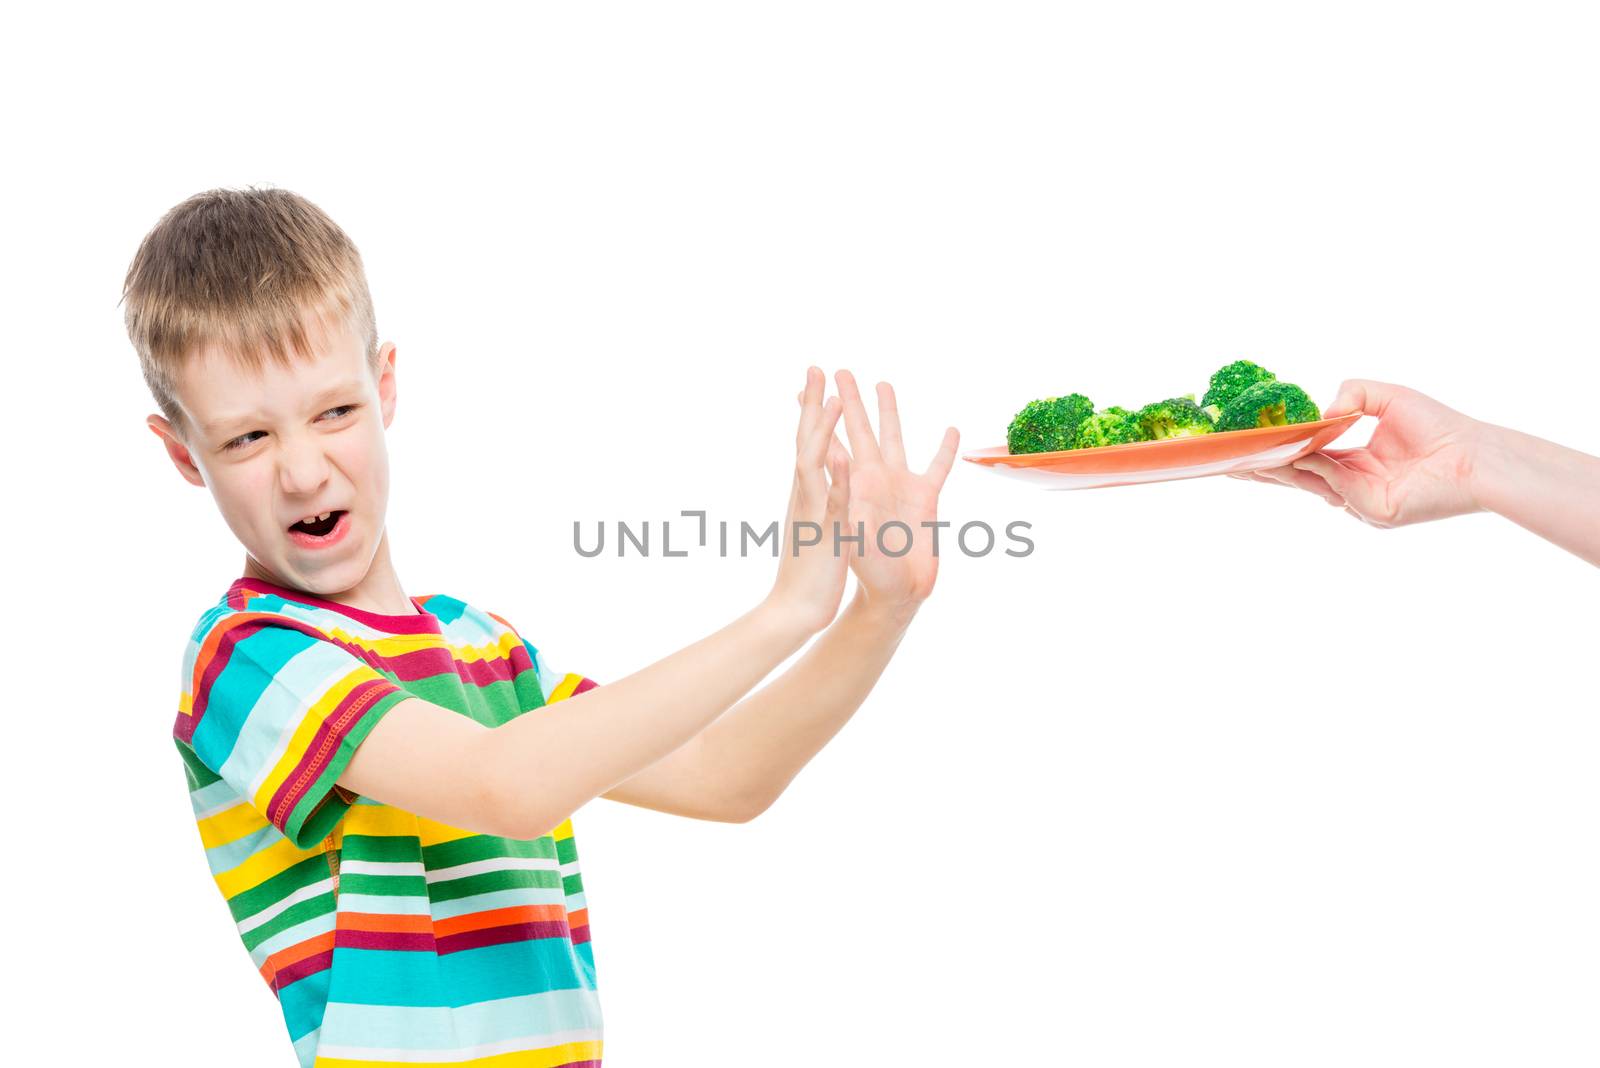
(247, 270)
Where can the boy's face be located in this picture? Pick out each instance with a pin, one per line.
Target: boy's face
(283, 444)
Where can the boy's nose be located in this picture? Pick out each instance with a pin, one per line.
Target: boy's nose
(302, 469)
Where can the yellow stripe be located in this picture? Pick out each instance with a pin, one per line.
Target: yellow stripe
(379, 821)
(568, 683)
(543, 1058)
(386, 821)
(433, 832)
(263, 865)
(304, 734)
(389, 646)
(230, 825)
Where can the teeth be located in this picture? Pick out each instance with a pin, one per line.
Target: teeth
(316, 518)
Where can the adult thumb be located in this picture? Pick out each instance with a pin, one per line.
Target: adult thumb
(1362, 395)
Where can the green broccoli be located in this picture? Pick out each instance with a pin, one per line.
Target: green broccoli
(1048, 425)
(1113, 426)
(1179, 417)
(1232, 380)
(1268, 404)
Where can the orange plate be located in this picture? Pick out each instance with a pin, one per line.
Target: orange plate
(1165, 460)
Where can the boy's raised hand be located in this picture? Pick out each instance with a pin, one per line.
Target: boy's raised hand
(810, 582)
(884, 491)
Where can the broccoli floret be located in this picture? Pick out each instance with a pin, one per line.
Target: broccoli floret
(1232, 380)
(1268, 404)
(1048, 425)
(1179, 417)
(1113, 426)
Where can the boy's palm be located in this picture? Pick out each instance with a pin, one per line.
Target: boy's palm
(811, 577)
(884, 491)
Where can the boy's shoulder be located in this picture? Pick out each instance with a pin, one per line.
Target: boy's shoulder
(459, 622)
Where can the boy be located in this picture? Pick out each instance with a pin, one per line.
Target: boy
(390, 831)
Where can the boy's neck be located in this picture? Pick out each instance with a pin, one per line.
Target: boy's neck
(379, 591)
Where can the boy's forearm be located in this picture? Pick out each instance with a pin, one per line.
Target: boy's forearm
(760, 745)
(549, 764)
(1547, 488)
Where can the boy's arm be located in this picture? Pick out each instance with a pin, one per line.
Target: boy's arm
(528, 775)
(734, 769)
(524, 777)
(755, 750)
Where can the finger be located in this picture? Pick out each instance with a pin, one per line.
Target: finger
(894, 453)
(837, 451)
(863, 445)
(839, 492)
(1311, 483)
(939, 467)
(810, 406)
(1362, 395)
(838, 507)
(1347, 483)
(1256, 476)
(816, 447)
(1351, 458)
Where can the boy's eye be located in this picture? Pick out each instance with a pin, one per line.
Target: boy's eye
(245, 439)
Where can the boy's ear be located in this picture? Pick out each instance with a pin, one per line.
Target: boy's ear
(386, 382)
(175, 449)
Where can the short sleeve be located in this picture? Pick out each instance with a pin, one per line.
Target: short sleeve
(554, 684)
(276, 708)
(558, 685)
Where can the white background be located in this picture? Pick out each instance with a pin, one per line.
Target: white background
(1216, 775)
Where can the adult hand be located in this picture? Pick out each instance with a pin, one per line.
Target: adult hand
(887, 498)
(1417, 466)
(811, 576)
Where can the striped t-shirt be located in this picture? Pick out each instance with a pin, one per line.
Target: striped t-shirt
(387, 938)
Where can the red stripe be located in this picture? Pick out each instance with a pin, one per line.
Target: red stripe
(395, 940)
(494, 936)
(324, 743)
(300, 969)
(426, 663)
(216, 651)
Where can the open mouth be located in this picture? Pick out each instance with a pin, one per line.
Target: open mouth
(319, 526)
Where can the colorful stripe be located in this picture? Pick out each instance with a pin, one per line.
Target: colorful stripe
(388, 938)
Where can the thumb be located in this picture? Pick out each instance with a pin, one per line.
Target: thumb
(1362, 395)
(839, 490)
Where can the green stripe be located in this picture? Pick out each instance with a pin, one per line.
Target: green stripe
(307, 872)
(485, 847)
(299, 912)
(490, 881)
(383, 885)
(387, 848)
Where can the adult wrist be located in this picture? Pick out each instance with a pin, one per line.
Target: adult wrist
(1489, 456)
